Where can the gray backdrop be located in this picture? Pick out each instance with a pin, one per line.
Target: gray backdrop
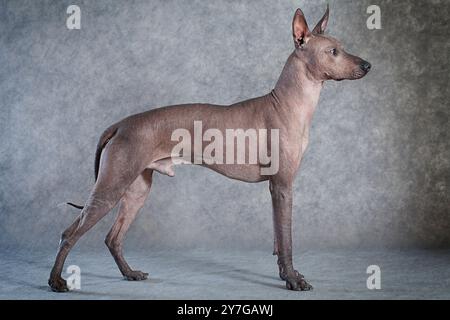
(377, 172)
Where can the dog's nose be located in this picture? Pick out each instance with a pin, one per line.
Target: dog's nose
(365, 66)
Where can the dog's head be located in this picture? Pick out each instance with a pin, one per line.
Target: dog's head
(323, 55)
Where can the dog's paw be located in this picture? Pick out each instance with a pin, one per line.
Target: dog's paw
(135, 275)
(297, 282)
(283, 275)
(58, 284)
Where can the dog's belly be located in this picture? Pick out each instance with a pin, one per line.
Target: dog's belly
(242, 172)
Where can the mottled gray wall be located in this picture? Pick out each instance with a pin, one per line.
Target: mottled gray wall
(377, 172)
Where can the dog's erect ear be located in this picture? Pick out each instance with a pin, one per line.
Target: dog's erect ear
(322, 25)
(300, 30)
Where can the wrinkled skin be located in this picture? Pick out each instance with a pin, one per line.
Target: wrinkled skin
(131, 150)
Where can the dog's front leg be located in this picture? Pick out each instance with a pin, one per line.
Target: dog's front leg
(282, 216)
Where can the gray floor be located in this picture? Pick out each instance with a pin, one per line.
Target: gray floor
(208, 274)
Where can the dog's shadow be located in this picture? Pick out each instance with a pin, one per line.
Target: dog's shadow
(235, 273)
(209, 267)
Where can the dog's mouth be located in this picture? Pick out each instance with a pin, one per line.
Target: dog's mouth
(355, 74)
(358, 74)
(330, 77)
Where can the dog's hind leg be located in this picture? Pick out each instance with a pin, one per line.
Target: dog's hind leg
(98, 206)
(112, 183)
(129, 206)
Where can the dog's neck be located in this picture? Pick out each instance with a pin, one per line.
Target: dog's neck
(297, 92)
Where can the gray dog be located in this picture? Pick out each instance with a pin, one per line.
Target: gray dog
(130, 151)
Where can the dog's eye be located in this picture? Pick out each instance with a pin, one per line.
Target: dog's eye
(333, 51)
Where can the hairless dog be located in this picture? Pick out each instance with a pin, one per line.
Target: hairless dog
(129, 151)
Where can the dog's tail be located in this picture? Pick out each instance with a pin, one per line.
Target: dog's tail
(75, 205)
(104, 139)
